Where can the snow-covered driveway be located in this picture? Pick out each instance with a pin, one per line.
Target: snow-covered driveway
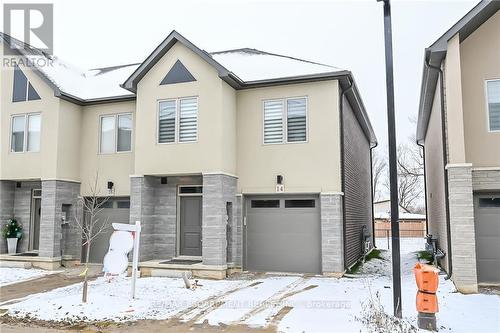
(284, 303)
(10, 275)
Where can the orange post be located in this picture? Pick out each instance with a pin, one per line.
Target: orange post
(427, 279)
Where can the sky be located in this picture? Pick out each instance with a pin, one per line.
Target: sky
(346, 34)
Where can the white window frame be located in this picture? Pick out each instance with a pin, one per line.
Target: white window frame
(25, 134)
(285, 120)
(177, 101)
(115, 116)
(487, 106)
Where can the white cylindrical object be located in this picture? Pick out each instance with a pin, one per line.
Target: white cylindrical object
(12, 245)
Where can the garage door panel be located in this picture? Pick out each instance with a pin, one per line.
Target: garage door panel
(283, 239)
(487, 229)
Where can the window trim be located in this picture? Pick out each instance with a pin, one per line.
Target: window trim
(177, 101)
(487, 107)
(25, 134)
(284, 101)
(99, 133)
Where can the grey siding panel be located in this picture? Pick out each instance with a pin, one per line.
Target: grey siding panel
(357, 184)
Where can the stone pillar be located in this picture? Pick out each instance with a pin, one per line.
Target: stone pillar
(463, 238)
(165, 214)
(142, 204)
(7, 188)
(332, 246)
(237, 232)
(55, 193)
(218, 189)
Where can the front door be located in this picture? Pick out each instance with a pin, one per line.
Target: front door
(190, 225)
(35, 224)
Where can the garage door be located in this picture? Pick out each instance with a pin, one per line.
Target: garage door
(113, 211)
(487, 222)
(283, 234)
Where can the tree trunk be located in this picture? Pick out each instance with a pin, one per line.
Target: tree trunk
(85, 282)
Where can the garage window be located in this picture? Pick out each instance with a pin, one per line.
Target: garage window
(489, 202)
(300, 203)
(265, 204)
(123, 204)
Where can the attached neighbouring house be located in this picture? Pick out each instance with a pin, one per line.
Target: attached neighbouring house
(239, 159)
(410, 224)
(459, 127)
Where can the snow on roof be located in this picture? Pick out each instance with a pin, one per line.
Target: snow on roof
(101, 83)
(254, 65)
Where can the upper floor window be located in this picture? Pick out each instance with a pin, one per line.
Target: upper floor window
(116, 133)
(22, 90)
(178, 120)
(493, 98)
(285, 120)
(25, 133)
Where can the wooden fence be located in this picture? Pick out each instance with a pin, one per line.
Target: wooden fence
(406, 229)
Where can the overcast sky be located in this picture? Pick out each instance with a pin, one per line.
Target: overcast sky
(346, 34)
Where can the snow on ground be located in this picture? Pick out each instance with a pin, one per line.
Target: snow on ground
(10, 275)
(156, 298)
(288, 303)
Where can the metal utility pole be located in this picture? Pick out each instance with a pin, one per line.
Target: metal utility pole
(393, 171)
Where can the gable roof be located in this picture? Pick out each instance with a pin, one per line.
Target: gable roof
(240, 68)
(436, 52)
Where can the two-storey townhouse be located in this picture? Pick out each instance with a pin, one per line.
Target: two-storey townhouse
(459, 127)
(230, 160)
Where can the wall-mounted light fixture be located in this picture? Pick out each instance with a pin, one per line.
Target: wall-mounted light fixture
(110, 187)
(279, 179)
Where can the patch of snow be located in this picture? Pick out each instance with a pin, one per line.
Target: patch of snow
(11, 275)
(253, 65)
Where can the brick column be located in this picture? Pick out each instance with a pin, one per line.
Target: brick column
(218, 189)
(463, 238)
(7, 188)
(142, 204)
(332, 248)
(55, 193)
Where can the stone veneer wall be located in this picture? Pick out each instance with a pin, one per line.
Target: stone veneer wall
(463, 240)
(486, 179)
(218, 189)
(332, 249)
(55, 193)
(7, 189)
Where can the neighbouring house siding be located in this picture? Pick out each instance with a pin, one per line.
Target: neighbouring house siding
(435, 177)
(115, 167)
(480, 61)
(357, 185)
(299, 163)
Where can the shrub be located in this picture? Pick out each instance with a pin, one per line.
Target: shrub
(12, 229)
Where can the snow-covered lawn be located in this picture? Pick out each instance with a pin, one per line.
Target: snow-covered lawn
(287, 303)
(10, 275)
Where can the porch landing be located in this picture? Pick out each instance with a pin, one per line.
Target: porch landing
(198, 270)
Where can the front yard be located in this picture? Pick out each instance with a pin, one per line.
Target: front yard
(281, 303)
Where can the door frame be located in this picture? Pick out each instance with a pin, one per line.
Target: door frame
(178, 218)
(32, 218)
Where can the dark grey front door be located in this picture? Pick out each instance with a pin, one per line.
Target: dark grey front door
(487, 228)
(36, 223)
(283, 234)
(190, 225)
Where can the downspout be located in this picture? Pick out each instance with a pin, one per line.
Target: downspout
(445, 161)
(371, 183)
(425, 188)
(342, 171)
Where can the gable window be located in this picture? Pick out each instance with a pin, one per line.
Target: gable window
(493, 99)
(22, 89)
(116, 133)
(178, 120)
(285, 120)
(25, 133)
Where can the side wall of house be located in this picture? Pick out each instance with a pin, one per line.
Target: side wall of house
(357, 185)
(435, 177)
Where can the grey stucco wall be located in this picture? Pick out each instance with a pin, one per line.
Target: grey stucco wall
(332, 249)
(7, 189)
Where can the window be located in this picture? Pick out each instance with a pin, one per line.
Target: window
(265, 204)
(190, 189)
(285, 127)
(178, 120)
(489, 202)
(26, 133)
(123, 204)
(493, 96)
(22, 90)
(116, 133)
(300, 203)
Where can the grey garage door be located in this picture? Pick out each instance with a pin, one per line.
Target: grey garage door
(487, 223)
(283, 234)
(113, 211)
